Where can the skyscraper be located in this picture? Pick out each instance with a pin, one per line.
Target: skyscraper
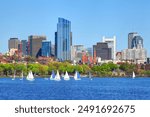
(13, 43)
(63, 40)
(134, 40)
(46, 48)
(130, 37)
(35, 45)
(24, 47)
(137, 42)
(111, 44)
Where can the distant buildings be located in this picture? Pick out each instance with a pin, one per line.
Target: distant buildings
(63, 40)
(46, 48)
(102, 50)
(13, 43)
(134, 40)
(89, 51)
(135, 52)
(111, 44)
(134, 55)
(119, 56)
(35, 45)
(63, 49)
(76, 52)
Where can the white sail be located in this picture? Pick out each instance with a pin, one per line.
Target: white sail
(57, 77)
(133, 75)
(77, 76)
(66, 77)
(30, 76)
(52, 77)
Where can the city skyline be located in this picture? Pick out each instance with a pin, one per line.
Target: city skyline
(90, 20)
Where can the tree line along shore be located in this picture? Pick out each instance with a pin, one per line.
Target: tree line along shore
(103, 70)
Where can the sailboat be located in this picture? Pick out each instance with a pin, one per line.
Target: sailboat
(57, 77)
(77, 76)
(133, 75)
(30, 76)
(90, 75)
(66, 77)
(21, 76)
(52, 75)
(14, 75)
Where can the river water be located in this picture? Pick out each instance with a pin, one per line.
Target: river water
(84, 89)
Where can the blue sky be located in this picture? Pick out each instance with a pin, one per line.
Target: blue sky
(91, 19)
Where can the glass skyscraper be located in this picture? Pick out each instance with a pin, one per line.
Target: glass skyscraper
(135, 40)
(63, 40)
(46, 48)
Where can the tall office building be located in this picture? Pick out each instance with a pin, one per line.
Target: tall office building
(130, 38)
(111, 44)
(46, 48)
(13, 43)
(137, 42)
(102, 50)
(63, 40)
(24, 47)
(35, 45)
(134, 40)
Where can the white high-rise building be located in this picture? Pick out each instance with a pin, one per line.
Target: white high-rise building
(111, 44)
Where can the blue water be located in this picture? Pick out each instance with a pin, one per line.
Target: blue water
(85, 89)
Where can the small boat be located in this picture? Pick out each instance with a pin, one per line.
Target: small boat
(30, 76)
(133, 75)
(22, 76)
(14, 77)
(77, 76)
(52, 75)
(57, 77)
(66, 77)
(90, 75)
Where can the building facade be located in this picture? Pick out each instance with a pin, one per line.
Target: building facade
(77, 52)
(134, 55)
(63, 40)
(102, 50)
(46, 48)
(111, 44)
(135, 40)
(130, 38)
(35, 45)
(13, 43)
(24, 47)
